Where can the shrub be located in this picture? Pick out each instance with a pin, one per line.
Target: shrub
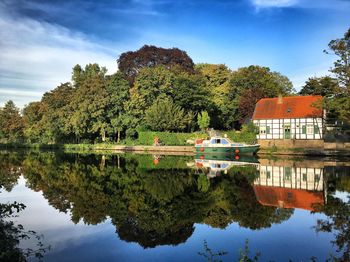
(167, 138)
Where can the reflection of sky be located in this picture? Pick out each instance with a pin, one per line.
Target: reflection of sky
(293, 239)
(344, 196)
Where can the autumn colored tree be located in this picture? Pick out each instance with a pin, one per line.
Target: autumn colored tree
(249, 84)
(247, 101)
(130, 63)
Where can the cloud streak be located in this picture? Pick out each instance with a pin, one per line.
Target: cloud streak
(273, 3)
(37, 56)
(320, 4)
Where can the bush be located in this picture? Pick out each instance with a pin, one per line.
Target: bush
(167, 138)
(246, 135)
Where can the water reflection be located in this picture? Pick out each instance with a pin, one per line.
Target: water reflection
(159, 202)
(290, 185)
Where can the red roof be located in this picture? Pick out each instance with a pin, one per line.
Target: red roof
(288, 107)
(288, 197)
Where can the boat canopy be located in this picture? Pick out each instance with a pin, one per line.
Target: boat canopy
(221, 141)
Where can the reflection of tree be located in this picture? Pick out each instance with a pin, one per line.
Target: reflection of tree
(338, 222)
(12, 234)
(10, 169)
(236, 201)
(148, 204)
(129, 231)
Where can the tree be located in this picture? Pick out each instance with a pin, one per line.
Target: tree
(203, 120)
(341, 48)
(189, 92)
(339, 105)
(164, 115)
(118, 93)
(11, 122)
(89, 103)
(217, 88)
(271, 83)
(325, 86)
(32, 114)
(55, 108)
(249, 84)
(247, 102)
(130, 63)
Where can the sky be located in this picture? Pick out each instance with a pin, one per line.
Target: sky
(41, 41)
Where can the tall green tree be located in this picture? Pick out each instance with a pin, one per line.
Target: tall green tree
(118, 94)
(165, 115)
(217, 88)
(341, 48)
(339, 105)
(325, 86)
(32, 115)
(203, 120)
(11, 122)
(89, 103)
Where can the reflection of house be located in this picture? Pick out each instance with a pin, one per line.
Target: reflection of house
(296, 117)
(290, 187)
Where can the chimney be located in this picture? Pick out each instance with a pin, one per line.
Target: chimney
(280, 100)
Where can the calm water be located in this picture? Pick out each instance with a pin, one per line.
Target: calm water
(177, 208)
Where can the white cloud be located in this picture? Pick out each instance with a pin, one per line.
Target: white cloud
(35, 56)
(273, 3)
(320, 4)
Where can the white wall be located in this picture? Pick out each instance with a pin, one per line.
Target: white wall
(300, 178)
(276, 127)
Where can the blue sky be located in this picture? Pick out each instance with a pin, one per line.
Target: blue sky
(40, 41)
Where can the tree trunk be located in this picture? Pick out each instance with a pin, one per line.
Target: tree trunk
(103, 162)
(103, 136)
(118, 136)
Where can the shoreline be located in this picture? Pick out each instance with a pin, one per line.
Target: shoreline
(175, 150)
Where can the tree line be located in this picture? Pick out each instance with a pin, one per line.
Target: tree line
(162, 89)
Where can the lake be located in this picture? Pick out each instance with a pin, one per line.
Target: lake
(128, 207)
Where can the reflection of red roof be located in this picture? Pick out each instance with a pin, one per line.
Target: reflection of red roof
(288, 107)
(288, 197)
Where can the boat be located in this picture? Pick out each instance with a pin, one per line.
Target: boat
(223, 145)
(213, 167)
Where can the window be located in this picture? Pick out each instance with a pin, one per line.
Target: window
(303, 127)
(224, 142)
(317, 178)
(316, 129)
(264, 129)
(304, 177)
(267, 129)
(287, 173)
(310, 129)
(268, 174)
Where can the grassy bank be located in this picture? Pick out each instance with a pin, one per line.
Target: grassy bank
(145, 138)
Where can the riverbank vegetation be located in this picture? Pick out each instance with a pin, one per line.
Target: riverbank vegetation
(162, 90)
